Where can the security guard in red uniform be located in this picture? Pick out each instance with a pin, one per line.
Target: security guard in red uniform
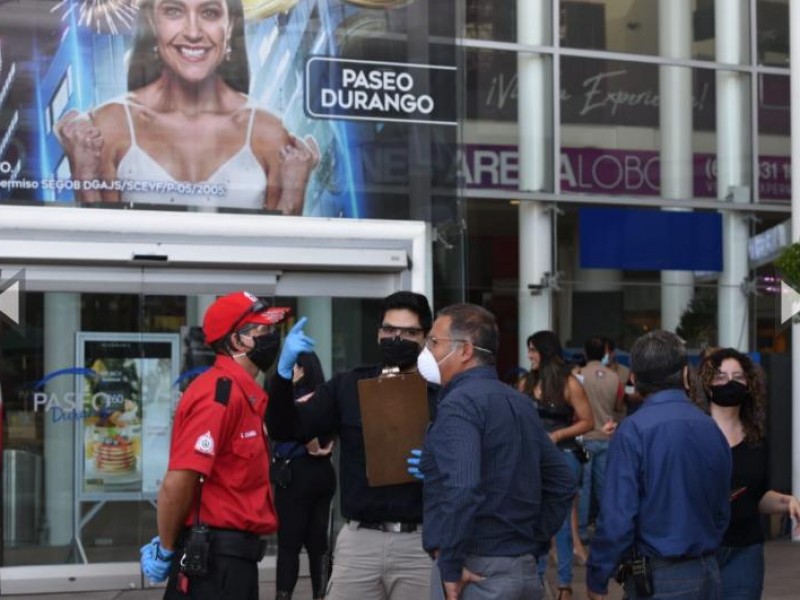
(215, 503)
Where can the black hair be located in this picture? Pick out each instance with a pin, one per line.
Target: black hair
(553, 370)
(312, 372)
(753, 413)
(657, 362)
(476, 324)
(595, 347)
(145, 67)
(416, 303)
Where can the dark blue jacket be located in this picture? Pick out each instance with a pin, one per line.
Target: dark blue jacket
(667, 485)
(495, 485)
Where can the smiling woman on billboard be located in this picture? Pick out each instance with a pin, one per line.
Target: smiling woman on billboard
(187, 134)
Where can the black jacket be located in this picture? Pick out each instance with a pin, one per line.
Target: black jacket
(334, 411)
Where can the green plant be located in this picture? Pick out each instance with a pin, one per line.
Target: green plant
(698, 325)
(788, 263)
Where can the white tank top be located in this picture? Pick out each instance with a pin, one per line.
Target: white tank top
(240, 182)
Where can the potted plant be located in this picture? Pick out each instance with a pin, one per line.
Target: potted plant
(788, 265)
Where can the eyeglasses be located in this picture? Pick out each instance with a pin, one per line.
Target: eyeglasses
(720, 377)
(432, 340)
(403, 332)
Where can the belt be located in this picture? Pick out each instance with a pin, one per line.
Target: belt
(236, 543)
(387, 526)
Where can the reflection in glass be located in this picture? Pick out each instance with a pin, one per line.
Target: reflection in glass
(773, 32)
(610, 129)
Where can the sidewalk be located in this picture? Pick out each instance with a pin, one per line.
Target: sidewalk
(782, 559)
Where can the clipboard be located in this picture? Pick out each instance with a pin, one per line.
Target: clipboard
(394, 418)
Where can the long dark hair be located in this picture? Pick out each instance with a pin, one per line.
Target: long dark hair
(553, 370)
(312, 373)
(752, 413)
(145, 68)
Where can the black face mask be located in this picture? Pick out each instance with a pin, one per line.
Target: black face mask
(398, 352)
(732, 393)
(265, 350)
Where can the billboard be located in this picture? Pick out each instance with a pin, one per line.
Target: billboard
(223, 105)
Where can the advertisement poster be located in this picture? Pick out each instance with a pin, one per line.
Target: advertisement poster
(264, 106)
(127, 406)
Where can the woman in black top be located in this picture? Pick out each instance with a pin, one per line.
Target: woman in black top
(304, 487)
(735, 395)
(565, 413)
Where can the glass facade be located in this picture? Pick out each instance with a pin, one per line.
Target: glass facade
(567, 128)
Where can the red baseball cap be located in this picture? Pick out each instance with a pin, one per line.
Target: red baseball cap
(235, 310)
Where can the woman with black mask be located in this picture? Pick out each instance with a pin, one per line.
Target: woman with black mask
(734, 395)
(305, 482)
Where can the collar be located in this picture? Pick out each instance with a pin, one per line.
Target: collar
(480, 372)
(249, 386)
(666, 397)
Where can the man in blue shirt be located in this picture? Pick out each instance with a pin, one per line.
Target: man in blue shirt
(496, 487)
(666, 494)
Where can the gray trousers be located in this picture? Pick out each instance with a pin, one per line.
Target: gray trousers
(377, 565)
(507, 578)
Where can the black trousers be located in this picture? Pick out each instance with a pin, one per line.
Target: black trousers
(303, 514)
(230, 578)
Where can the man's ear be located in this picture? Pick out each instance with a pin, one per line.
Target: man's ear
(686, 378)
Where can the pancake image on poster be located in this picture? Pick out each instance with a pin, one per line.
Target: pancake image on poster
(115, 455)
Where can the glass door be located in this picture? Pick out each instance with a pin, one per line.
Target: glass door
(90, 383)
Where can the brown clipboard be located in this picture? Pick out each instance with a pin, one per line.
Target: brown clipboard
(394, 417)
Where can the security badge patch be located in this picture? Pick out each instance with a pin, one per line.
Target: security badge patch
(205, 444)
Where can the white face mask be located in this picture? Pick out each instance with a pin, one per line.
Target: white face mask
(428, 367)
(606, 360)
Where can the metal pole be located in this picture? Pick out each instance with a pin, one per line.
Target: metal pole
(733, 139)
(794, 44)
(535, 222)
(675, 119)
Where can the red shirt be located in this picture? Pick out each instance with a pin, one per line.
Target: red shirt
(228, 445)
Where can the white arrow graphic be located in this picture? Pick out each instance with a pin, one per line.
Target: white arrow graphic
(11, 292)
(790, 302)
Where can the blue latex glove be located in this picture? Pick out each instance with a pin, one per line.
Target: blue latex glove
(296, 342)
(413, 463)
(155, 560)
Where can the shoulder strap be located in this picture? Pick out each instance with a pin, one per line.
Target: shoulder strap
(250, 125)
(222, 393)
(129, 118)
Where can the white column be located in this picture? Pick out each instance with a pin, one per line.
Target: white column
(62, 320)
(733, 140)
(320, 327)
(675, 110)
(535, 222)
(196, 307)
(794, 44)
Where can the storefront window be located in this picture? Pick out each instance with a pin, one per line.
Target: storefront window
(90, 383)
(774, 144)
(636, 27)
(611, 131)
(500, 121)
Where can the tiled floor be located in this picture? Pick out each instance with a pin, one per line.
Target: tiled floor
(783, 560)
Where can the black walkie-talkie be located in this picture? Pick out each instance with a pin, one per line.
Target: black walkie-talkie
(642, 575)
(197, 549)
